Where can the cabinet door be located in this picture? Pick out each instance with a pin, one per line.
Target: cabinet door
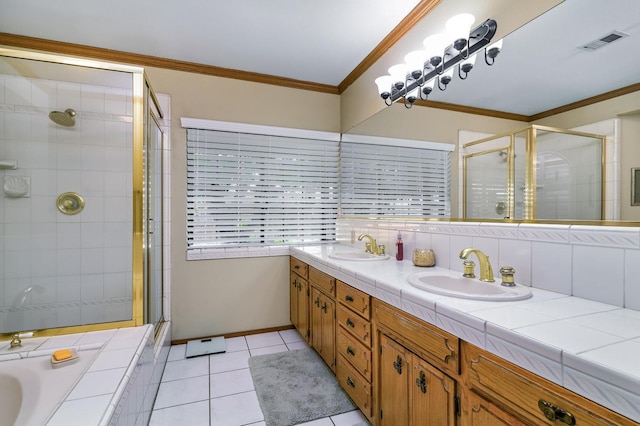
(433, 395)
(323, 326)
(316, 320)
(394, 371)
(293, 301)
(480, 412)
(303, 308)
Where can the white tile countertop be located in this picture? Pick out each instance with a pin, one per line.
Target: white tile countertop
(589, 347)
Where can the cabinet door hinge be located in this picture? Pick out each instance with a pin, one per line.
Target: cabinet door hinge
(380, 414)
(456, 406)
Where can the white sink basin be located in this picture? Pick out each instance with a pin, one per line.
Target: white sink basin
(357, 255)
(468, 288)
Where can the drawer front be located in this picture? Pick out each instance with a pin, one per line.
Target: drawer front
(322, 281)
(355, 353)
(440, 348)
(520, 392)
(298, 267)
(356, 300)
(356, 387)
(355, 324)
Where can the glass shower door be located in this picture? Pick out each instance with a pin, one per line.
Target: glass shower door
(153, 205)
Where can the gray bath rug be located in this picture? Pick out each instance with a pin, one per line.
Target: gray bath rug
(296, 387)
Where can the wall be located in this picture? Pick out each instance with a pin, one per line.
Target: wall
(60, 270)
(211, 297)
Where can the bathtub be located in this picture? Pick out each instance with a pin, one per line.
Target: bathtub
(31, 390)
(114, 382)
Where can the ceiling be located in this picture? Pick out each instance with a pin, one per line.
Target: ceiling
(322, 41)
(319, 41)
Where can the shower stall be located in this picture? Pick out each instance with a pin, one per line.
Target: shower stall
(81, 206)
(535, 173)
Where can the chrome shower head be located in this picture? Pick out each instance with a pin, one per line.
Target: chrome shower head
(66, 118)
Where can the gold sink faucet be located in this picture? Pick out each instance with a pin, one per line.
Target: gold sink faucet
(371, 246)
(486, 272)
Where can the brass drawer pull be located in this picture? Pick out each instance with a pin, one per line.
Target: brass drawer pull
(348, 298)
(317, 302)
(350, 323)
(422, 382)
(553, 413)
(296, 267)
(398, 365)
(324, 307)
(350, 382)
(350, 351)
(294, 283)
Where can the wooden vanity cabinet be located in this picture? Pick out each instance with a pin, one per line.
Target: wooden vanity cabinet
(323, 315)
(414, 366)
(299, 297)
(499, 392)
(354, 346)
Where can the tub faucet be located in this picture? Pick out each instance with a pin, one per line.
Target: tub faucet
(371, 246)
(486, 272)
(16, 340)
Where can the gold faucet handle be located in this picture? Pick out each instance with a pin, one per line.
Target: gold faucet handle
(367, 247)
(507, 273)
(469, 267)
(381, 249)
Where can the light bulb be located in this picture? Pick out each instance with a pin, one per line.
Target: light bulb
(415, 62)
(398, 74)
(384, 85)
(458, 28)
(434, 46)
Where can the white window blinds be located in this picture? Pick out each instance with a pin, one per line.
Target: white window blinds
(252, 190)
(382, 180)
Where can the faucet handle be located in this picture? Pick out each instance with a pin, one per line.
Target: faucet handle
(507, 273)
(469, 267)
(367, 247)
(381, 249)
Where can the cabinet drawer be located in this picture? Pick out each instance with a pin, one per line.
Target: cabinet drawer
(355, 353)
(440, 348)
(298, 267)
(355, 385)
(356, 300)
(519, 391)
(322, 281)
(355, 324)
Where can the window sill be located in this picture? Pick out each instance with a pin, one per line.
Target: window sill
(236, 252)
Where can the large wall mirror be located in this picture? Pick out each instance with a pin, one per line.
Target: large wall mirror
(579, 55)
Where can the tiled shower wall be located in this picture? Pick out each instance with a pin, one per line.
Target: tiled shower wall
(592, 262)
(59, 270)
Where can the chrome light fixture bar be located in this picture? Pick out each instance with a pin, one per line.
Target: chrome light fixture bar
(434, 66)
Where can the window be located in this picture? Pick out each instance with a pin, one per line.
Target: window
(384, 178)
(258, 190)
(258, 186)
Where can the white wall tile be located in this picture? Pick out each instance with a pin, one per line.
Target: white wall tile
(551, 267)
(631, 281)
(598, 274)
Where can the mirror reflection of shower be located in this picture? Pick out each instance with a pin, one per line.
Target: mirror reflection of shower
(66, 118)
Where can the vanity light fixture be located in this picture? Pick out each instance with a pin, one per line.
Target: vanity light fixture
(423, 69)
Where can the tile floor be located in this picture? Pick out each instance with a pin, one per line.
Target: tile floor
(218, 389)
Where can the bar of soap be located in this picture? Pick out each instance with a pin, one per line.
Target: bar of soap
(62, 354)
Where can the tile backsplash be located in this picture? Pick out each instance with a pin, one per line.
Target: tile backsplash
(591, 262)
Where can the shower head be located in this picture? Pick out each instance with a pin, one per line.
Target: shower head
(66, 118)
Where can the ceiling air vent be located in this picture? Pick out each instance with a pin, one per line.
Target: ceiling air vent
(603, 41)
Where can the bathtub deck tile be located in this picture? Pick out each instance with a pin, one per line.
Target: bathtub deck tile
(90, 410)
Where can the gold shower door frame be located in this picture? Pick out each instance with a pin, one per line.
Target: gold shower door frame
(530, 197)
(139, 84)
